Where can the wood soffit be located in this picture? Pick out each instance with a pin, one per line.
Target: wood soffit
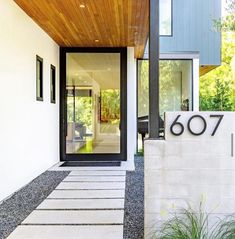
(92, 23)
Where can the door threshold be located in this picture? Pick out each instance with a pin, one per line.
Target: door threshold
(90, 164)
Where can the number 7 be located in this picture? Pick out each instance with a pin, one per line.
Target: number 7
(220, 117)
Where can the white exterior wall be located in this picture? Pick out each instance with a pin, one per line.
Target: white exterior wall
(188, 169)
(29, 129)
(131, 108)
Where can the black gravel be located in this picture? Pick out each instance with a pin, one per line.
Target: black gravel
(134, 202)
(15, 209)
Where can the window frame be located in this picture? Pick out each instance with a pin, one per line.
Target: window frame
(171, 27)
(122, 156)
(163, 58)
(53, 84)
(40, 60)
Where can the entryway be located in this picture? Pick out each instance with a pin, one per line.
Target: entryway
(93, 104)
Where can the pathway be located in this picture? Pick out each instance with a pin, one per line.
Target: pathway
(87, 204)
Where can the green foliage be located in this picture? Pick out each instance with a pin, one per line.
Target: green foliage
(70, 109)
(110, 108)
(171, 97)
(143, 88)
(191, 224)
(217, 88)
(227, 23)
(224, 84)
(110, 105)
(221, 99)
(83, 110)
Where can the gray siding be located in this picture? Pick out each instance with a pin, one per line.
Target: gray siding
(193, 30)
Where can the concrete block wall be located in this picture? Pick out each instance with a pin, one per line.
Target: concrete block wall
(189, 169)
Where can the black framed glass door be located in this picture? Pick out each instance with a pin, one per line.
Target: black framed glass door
(93, 104)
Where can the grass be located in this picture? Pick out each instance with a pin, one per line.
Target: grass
(191, 224)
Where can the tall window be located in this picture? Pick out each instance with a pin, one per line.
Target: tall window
(175, 84)
(39, 78)
(93, 84)
(165, 17)
(53, 84)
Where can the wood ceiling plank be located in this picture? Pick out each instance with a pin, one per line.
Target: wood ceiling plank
(204, 69)
(115, 23)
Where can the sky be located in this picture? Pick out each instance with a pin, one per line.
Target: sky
(223, 7)
(224, 12)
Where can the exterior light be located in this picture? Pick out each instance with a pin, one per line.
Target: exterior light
(82, 6)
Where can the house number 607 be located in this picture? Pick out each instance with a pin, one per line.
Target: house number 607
(180, 126)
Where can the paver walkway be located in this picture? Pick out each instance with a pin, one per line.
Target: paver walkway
(87, 204)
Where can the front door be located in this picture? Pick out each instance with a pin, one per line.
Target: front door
(93, 104)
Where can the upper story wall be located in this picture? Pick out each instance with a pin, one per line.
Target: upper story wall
(193, 30)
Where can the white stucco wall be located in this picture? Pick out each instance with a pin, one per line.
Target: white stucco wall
(189, 169)
(29, 129)
(131, 108)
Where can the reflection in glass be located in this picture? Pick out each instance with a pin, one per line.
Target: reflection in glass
(93, 103)
(175, 87)
(165, 18)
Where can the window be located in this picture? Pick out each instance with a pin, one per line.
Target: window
(93, 103)
(166, 17)
(39, 78)
(176, 79)
(175, 86)
(53, 84)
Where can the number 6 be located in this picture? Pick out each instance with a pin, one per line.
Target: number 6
(175, 123)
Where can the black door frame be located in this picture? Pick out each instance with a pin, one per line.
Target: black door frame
(122, 156)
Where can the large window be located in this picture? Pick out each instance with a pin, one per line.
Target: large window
(166, 17)
(93, 103)
(175, 87)
(39, 78)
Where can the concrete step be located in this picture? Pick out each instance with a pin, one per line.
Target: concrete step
(82, 204)
(97, 173)
(68, 232)
(69, 217)
(95, 179)
(91, 185)
(74, 194)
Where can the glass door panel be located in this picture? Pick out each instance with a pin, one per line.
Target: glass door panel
(93, 103)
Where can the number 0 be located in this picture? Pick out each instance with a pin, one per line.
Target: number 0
(204, 122)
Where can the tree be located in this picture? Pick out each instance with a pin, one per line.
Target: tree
(217, 88)
(227, 23)
(220, 101)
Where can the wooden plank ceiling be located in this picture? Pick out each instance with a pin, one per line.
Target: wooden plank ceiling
(92, 23)
(204, 69)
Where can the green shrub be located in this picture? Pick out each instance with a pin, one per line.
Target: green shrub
(190, 224)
